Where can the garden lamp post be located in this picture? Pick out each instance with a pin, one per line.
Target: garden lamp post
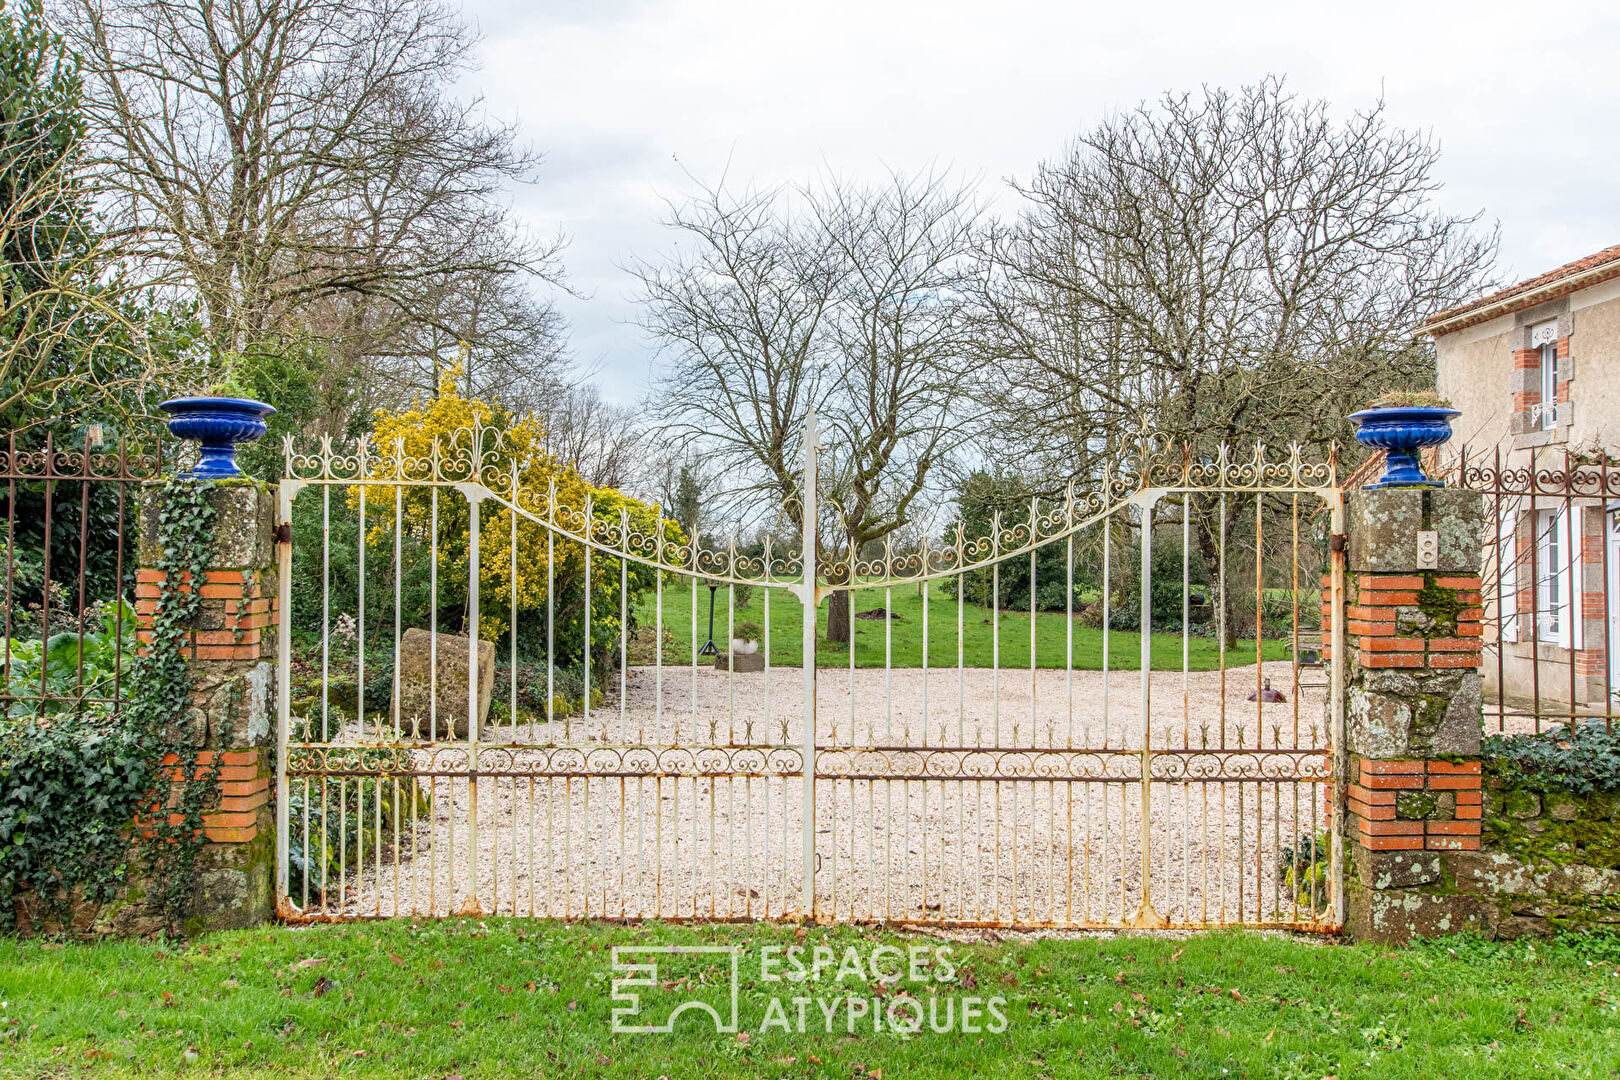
(709, 646)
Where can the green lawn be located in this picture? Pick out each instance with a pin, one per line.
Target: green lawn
(978, 635)
(511, 998)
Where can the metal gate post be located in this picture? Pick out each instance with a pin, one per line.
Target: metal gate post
(1146, 916)
(284, 500)
(1337, 543)
(810, 600)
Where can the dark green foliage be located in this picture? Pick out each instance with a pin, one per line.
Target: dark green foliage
(69, 787)
(984, 503)
(301, 380)
(339, 822)
(77, 665)
(72, 784)
(1580, 760)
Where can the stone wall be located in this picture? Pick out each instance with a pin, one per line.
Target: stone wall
(231, 654)
(1412, 707)
(1436, 843)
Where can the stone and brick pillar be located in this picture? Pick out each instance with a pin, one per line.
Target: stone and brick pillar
(1412, 705)
(231, 651)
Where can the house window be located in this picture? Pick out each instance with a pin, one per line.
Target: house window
(1554, 574)
(1544, 339)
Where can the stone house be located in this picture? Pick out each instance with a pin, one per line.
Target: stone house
(1535, 370)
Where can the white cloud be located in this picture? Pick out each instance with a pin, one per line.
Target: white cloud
(624, 95)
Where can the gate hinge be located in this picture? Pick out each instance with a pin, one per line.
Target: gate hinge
(1338, 542)
(284, 533)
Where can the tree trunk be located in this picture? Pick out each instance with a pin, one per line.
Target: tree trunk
(838, 616)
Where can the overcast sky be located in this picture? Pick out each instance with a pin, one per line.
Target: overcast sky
(626, 97)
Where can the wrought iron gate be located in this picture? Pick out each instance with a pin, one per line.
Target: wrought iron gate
(1089, 774)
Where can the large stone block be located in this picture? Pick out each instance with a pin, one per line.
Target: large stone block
(414, 710)
(244, 524)
(1395, 869)
(1384, 523)
(1398, 714)
(1398, 916)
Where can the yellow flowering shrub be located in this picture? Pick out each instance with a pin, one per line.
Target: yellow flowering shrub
(518, 446)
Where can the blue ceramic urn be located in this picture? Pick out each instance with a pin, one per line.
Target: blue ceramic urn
(1401, 431)
(218, 423)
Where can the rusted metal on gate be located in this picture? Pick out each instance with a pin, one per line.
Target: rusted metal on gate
(70, 599)
(1550, 554)
(701, 809)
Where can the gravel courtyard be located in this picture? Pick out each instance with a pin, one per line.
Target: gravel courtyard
(943, 822)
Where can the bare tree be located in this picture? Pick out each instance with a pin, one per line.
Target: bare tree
(72, 335)
(856, 306)
(1221, 266)
(602, 441)
(283, 153)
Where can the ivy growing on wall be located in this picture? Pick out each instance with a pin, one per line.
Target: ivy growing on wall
(1579, 760)
(91, 801)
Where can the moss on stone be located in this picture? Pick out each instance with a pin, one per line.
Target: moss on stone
(1441, 606)
(1526, 830)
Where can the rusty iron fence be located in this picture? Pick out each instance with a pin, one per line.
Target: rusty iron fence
(1550, 591)
(70, 555)
(1097, 774)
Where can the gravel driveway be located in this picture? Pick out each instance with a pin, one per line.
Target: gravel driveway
(943, 823)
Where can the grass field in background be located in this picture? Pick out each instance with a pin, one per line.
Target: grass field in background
(978, 636)
(498, 998)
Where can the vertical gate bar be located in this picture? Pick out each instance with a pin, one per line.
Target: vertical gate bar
(765, 603)
(511, 640)
(1220, 637)
(770, 740)
(326, 602)
(399, 532)
(585, 624)
(658, 642)
(624, 631)
(45, 573)
(360, 605)
(1107, 617)
(11, 554)
(118, 576)
(1534, 562)
(995, 637)
(551, 653)
(1186, 692)
(284, 496)
(693, 702)
(1574, 539)
(474, 506)
(961, 741)
(1145, 914)
(888, 722)
(78, 613)
(731, 632)
(433, 607)
(1293, 517)
(1259, 624)
(808, 511)
(1068, 625)
(1341, 757)
(1605, 527)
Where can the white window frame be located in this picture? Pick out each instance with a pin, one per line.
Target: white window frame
(1556, 567)
(1544, 338)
